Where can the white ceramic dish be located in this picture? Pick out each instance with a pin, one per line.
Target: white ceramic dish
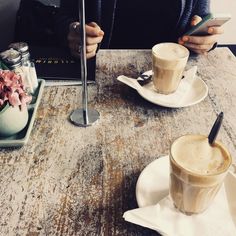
(153, 185)
(190, 91)
(153, 182)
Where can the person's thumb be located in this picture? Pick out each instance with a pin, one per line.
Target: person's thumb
(195, 20)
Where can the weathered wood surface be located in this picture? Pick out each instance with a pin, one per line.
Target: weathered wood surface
(78, 181)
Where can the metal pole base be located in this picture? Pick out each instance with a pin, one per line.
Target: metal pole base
(78, 117)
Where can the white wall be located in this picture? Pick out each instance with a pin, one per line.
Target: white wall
(226, 6)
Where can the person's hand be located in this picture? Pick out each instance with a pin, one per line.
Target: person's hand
(94, 36)
(201, 44)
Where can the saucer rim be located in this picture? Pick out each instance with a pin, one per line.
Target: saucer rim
(166, 162)
(160, 103)
(146, 168)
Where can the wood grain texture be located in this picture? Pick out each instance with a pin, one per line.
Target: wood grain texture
(79, 181)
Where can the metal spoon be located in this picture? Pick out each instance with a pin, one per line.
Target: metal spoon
(215, 128)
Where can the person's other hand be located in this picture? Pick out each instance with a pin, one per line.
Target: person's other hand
(94, 36)
(201, 44)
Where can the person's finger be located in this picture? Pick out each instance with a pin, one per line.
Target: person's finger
(91, 48)
(74, 27)
(195, 20)
(73, 42)
(180, 41)
(75, 53)
(201, 47)
(91, 54)
(215, 30)
(94, 24)
(71, 38)
(88, 55)
(210, 39)
(93, 31)
(201, 52)
(194, 49)
(75, 49)
(93, 40)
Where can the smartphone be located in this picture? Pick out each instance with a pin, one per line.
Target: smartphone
(210, 20)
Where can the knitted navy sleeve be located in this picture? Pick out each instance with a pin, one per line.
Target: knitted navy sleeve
(201, 8)
(67, 14)
(189, 9)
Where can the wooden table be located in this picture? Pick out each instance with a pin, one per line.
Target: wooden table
(79, 181)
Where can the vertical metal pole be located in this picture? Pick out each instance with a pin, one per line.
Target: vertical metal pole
(83, 117)
(83, 60)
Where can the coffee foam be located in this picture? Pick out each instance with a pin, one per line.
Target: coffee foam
(196, 155)
(170, 51)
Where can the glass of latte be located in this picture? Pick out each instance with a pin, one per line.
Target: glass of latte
(168, 63)
(197, 171)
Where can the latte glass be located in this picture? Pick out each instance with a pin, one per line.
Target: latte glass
(168, 63)
(197, 171)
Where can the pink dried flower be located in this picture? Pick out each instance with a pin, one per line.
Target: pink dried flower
(12, 90)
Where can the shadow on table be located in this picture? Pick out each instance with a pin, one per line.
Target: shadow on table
(107, 220)
(129, 198)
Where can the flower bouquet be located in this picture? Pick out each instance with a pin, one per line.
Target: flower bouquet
(13, 103)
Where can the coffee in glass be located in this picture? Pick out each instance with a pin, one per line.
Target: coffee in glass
(197, 171)
(168, 63)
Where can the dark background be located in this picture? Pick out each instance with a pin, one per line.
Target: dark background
(36, 26)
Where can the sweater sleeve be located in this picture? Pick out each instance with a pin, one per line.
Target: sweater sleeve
(201, 8)
(68, 13)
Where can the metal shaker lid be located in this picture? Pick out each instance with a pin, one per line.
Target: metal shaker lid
(10, 56)
(21, 47)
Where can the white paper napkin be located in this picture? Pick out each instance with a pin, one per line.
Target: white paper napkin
(218, 220)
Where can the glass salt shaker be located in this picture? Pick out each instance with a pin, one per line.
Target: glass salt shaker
(12, 59)
(27, 65)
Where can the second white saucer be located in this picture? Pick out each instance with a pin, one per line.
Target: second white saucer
(153, 182)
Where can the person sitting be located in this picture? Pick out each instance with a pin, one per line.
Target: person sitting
(134, 24)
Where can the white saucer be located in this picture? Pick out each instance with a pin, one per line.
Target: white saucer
(196, 93)
(153, 182)
(190, 91)
(152, 186)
